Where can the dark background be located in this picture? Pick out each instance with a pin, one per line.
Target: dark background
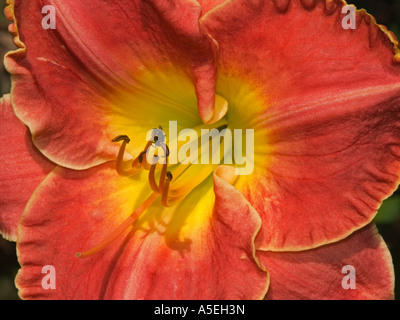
(386, 12)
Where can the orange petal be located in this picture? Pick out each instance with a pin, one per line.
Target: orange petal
(22, 168)
(65, 79)
(324, 103)
(356, 268)
(74, 210)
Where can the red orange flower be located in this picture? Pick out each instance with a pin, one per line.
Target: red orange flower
(323, 103)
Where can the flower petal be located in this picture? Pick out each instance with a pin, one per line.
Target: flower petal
(22, 168)
(69, 76)
(74, 210)
(324, 104)
(208, 5)
(326, 272)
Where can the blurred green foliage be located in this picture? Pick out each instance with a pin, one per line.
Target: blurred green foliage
(386, 12)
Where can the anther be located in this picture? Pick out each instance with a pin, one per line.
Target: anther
(137, 163)
(120, 138)
(169, 176)
(140, 158)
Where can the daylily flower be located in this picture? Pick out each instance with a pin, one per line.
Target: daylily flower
(323, 103)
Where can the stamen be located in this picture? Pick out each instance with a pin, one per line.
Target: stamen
(120, 158)
(138, 162)
(163, 176)
(152, 180)
(164, 169)
(167, 201)
(117, 232)
(121, 137)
